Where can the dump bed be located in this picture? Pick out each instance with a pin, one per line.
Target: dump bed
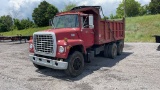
(105, 30)
(110, 31)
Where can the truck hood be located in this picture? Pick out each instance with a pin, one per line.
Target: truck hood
(61, 33)
(62, 30)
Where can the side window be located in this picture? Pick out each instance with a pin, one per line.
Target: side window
(76, 21)
(85, 22)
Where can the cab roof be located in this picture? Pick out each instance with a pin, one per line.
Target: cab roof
(67, 13)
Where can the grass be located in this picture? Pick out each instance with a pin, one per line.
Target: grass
(138, 29)
(142, 28)
(24, 32)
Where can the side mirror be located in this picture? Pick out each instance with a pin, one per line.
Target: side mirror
(50, 22)
(91, 26)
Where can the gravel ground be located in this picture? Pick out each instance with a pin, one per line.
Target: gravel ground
(138, 68)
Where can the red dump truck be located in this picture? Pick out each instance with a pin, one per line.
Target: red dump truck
(77, 37)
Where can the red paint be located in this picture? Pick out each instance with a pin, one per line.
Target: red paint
(70, 43)
(103, 32)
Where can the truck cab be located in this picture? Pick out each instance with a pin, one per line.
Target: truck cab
(79, 21)
(75, 37)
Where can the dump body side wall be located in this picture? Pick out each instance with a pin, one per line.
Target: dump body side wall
(110, 31)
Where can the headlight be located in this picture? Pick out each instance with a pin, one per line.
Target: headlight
(31, 46)
(61, 49)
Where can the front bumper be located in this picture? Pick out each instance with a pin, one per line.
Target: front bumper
(48, 62)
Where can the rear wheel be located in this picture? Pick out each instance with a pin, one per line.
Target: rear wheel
(38, 66)
(120, 48)
(75, 64)
(112, 52)
(106, 49)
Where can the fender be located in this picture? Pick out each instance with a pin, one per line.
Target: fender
(67, 44)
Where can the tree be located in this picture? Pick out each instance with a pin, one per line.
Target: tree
(6, 23)
(144, 10)
(43, 13)
(23, 24)
(111, 16)
(105, 18)
(154, 6)
(26, 23)
(132, 8)
(69, 6)
(17, 24)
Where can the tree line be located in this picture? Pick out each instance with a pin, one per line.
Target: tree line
(134, 8)
(46, 11)
(40, 16)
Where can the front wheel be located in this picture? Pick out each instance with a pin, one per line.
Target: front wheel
(75, 64)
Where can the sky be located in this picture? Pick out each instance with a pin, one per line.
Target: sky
(24, 8)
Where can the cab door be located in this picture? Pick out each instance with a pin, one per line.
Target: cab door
(87, 31)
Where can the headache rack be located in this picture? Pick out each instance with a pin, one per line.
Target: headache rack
(80, 7)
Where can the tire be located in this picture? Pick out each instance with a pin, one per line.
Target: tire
(75, 64)
(38, 66)
(120, 46)
(112, 53)
(106, 49)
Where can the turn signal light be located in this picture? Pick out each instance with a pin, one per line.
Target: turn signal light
(65, 39)
(31, 37)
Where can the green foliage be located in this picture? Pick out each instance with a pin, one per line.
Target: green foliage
(17, 24)
(69, 6)
(111, 16)
(43, 13)
(6, 23)
(144, 10)
(23, 24)
(26, 23)
(105, 18)
(132, 8)
(142, 28)
(154, 6)
(28, 31)
(114, 17)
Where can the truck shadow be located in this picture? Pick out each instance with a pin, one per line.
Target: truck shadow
(89, 68)
(158, 48)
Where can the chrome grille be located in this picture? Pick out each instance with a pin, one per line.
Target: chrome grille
(43, 43)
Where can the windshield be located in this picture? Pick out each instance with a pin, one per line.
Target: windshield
(66, 21)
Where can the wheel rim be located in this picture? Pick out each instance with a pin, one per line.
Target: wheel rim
(77, 64)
